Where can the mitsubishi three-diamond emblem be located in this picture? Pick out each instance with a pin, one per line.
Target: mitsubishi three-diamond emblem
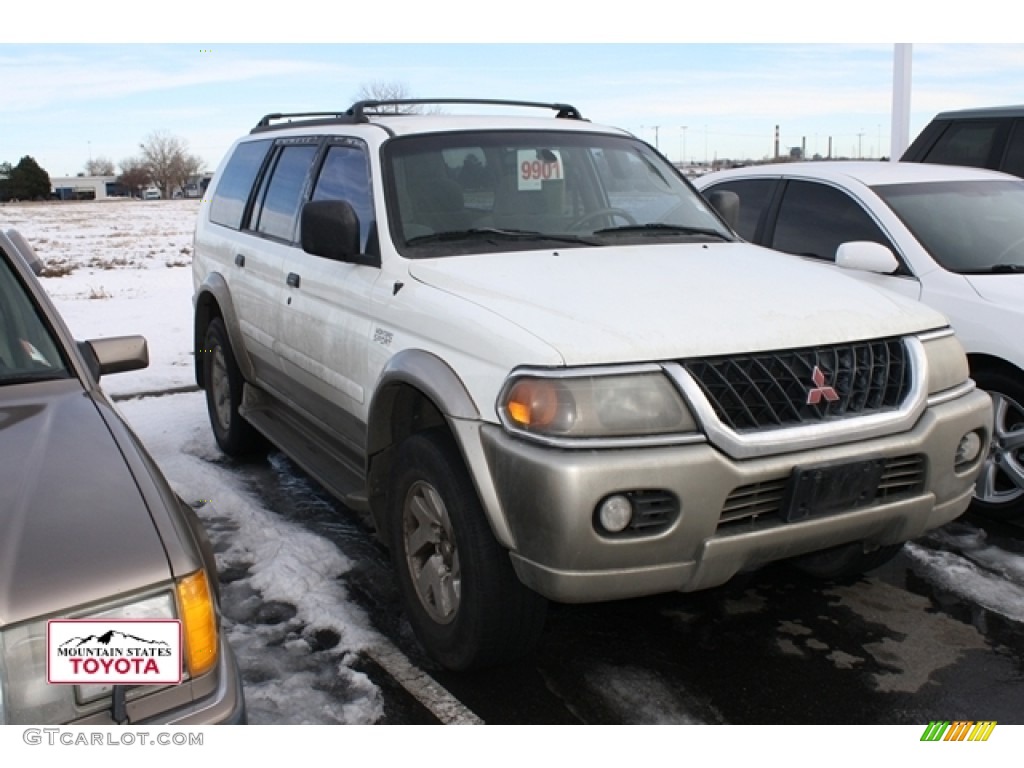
(820, 389)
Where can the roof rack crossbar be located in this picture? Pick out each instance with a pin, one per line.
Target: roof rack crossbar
(360, 109)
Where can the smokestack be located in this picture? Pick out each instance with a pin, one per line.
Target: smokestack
(776, 142)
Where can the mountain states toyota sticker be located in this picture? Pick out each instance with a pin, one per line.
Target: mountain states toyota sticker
(114, 652)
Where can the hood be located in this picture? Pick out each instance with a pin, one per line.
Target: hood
(660, 302)
(73, 525)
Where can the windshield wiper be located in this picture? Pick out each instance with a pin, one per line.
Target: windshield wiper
(658, 228)
(996, 269)
(484, 233)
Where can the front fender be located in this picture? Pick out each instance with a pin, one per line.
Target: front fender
(418, 390)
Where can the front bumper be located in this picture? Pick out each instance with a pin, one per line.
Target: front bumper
(545, 498)
(216, 698)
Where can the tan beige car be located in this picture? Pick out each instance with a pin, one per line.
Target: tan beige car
(89, 529)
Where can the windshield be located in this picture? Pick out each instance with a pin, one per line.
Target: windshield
(471, 192)
(969, 227)
(27, 349)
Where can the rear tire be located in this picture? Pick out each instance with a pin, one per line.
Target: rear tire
(463, 599)
(223, 382)
(845, 561)
(999, 491)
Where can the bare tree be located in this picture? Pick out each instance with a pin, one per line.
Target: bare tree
(135, 175)
(99, 166)
(187, 168)
(388, 90)
(169, 162)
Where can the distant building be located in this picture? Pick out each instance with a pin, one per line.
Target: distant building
(86, 187)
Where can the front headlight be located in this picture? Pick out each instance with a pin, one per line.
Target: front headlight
(588, 405)
(947, 363)
(27, 697)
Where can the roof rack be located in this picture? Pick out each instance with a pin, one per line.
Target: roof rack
(361, 111)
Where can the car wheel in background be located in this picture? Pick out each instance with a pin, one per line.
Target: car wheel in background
(999, 492)
(462, 597)
(223, 379)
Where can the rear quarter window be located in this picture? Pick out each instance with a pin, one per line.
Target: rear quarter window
(1013, 161)
(971, 143)
(231, 195)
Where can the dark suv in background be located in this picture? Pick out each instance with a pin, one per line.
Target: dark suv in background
(991, 137)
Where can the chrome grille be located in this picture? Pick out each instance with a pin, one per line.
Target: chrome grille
(772, 390)
(902, 477)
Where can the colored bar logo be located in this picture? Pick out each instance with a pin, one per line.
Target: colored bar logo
(958, 730)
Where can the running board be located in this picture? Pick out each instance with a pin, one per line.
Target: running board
(305, 443)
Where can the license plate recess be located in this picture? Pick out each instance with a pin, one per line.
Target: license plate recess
(826, 489)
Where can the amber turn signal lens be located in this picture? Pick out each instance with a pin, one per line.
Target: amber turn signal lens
(533, 403)
(199, 623)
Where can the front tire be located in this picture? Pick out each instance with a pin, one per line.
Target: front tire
(464, 602)
(223, 382)
(999, 491)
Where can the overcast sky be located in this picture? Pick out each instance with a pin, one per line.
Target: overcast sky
(98, 84)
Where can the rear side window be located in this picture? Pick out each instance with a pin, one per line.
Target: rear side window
(1013, 162)
(277, 213)
(815, 219)
(966, 142)
(235, 185)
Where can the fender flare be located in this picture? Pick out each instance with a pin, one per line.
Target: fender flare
(214, 291)
(438, 383)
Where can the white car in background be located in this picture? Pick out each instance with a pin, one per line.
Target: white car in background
(952, 237)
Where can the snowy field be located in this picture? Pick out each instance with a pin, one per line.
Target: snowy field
(123, 267)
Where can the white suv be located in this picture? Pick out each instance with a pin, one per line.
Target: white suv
(546, 368)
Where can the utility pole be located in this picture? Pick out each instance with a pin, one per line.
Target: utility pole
(655, 129)
(900, 136)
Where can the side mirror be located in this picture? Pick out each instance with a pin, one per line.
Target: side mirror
(330, 228)
(26, 251)
(867, 257)
(115, 354)
(727, 204)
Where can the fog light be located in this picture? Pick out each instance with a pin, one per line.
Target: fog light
(615, 513)
(968, 450)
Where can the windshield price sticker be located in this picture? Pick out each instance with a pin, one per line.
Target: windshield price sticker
(536, 167)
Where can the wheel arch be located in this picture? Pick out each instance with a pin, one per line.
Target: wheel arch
(978, 361)
(213, 299)
(418, 391)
